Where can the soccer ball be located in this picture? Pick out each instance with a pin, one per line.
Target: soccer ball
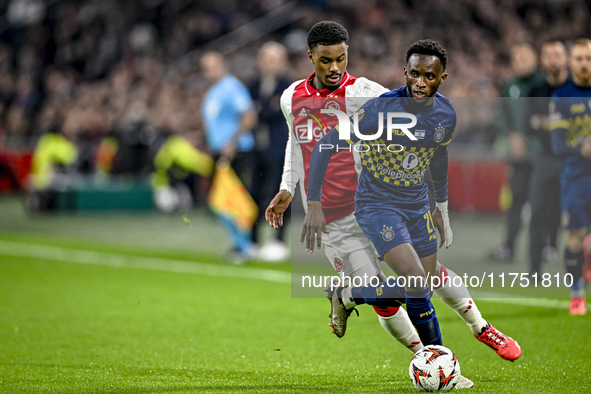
(434, 368)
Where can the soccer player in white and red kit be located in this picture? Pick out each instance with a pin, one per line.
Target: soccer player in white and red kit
(345, 245)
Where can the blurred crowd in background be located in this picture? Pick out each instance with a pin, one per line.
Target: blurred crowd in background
(95, 68)
(114, 80)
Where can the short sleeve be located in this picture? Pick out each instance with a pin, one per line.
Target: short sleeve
(241, 99)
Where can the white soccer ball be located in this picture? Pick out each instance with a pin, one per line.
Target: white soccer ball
(434, 368)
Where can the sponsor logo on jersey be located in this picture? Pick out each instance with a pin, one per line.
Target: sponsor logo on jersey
(307, 133)
(303, 112)
(410, 161)
(439, 133)
(578, 108)
(389, 172)
(387, 233)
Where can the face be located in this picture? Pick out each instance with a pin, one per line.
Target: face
(424, 74)
(330, 63)
(580, 62)
(212, 66)
(523, 60)
(272, 59)
(553, 58)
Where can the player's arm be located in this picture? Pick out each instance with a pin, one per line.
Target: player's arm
(315, 223)
(243, 104)
(438, 168)
(291, 169)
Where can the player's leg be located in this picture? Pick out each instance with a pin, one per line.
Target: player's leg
(388, 229)
(351, 254)
(576, 219)
(454, 293)
(574, 259)
(403, 259)
(539, 232)
(394, 319)
(519, 182)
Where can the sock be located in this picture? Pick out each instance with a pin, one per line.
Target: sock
(422, 315)
(384, 295)
(574, 266)
(397, 323)
(240, 238)
(459, 299)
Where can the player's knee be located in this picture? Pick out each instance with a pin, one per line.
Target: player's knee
(386, 312)
(574, 240)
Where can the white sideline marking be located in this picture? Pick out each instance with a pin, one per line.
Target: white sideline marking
(55, 253)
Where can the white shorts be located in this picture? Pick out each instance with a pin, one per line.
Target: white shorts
(348, 249)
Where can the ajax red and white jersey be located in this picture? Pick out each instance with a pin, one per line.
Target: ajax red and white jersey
(302, 104)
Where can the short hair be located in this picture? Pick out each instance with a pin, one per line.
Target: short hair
(327, 33)
(582, 42)
(428, 47)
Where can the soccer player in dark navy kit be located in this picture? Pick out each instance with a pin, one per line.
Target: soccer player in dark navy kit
(570, 123)
(391, 201)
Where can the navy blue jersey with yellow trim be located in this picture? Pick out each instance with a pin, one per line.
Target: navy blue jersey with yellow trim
(397, 174)
(570, 124)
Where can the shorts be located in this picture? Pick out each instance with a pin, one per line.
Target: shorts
(388, 226)
(575, 201)
(348, 249)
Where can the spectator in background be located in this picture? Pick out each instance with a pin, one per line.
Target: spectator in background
(521, 146)
(570, 122)
(270, 140)
(229, 117)
(544, 188)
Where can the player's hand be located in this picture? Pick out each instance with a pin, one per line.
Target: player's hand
(586, 148)
(314, 226)
(441, 221)
(518, 146)
(276, 208)
(229, 151)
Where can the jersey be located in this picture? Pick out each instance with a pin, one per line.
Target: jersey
(223, 105)
(392, 201)
(570, 124)
(301, 104)
(396, 176)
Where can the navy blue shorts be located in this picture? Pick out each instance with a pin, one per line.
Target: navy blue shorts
(388, 226)
(575, 200)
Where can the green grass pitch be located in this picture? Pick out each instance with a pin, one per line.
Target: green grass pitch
(106, 304)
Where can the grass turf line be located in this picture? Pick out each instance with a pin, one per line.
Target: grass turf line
(77, 328)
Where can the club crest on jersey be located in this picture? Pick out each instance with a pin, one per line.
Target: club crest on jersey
(439, 133)
(331, 104)
(387, 233)
(338, 264)
(360, 114)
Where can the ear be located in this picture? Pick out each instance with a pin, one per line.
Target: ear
(443, 78)
(405, 71)
(310, 56)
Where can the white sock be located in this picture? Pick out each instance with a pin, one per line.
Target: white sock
(401, 329)
(347, 298)
(459, 299)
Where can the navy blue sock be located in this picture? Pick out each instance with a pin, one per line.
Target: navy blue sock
(574, 266)
(422, 315)
(383, 295)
